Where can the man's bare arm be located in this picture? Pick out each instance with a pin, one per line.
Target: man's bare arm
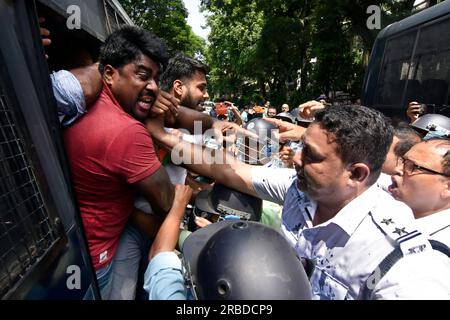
(157, 190)
(230, 172)
(91, 82)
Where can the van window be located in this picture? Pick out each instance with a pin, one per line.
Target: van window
(26, 230)
(431, 64)
(395, 69)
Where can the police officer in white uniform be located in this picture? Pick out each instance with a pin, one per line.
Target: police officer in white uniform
(335, 214)
(423, 183)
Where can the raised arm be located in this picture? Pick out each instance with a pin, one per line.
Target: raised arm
(226, 170)
(157, 190)
(91, 82)
(167, 237)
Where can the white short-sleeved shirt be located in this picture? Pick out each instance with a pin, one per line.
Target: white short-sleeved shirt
(437, 225)
(384, 181)
(350, 246)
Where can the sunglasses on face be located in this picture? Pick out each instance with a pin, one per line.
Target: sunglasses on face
(409, 167)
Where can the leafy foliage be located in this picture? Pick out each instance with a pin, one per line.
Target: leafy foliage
(265, 48)
(167, 19)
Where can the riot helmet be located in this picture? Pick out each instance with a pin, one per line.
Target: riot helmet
(285, 116)
(243, 260)
(223, 203)
(299, 120)
(432, 125)
(258, 151)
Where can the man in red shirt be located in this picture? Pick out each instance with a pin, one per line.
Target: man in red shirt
(112, 158)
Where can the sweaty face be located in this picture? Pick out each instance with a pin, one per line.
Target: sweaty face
(420, 189)
(194, 91)
(321, 173)
(135, 86)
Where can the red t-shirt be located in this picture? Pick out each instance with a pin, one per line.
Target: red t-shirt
(108, 150)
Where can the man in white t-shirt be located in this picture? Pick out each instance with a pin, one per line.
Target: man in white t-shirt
(424, 185)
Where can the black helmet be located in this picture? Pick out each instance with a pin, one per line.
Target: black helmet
(299, 120)
(286, 116)
(432, 124)
(261, 127)
(222, 203)
(258, 151)
(243, 260)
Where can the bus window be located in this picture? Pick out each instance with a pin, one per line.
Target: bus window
(432, 64)
(395, 69)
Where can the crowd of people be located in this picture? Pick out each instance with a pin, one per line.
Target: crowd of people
(359, 205)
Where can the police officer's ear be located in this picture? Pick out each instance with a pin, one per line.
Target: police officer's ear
(110, 74)
(359, 173)
(445, 194)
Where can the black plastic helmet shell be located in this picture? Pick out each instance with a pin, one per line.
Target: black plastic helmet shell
(261, 127)
(427, 121)
(286, 116)
(243, 260)
(223, 200)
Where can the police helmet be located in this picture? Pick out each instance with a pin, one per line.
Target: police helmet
(299, 120)
(286, 116)
(258, 151)
(432, 124)
(261, 127)
(223, 203)
(243, 260)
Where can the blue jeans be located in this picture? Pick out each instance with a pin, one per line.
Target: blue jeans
(118, 279)
(104, 276)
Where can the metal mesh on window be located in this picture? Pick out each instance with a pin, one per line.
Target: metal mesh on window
(25, 229)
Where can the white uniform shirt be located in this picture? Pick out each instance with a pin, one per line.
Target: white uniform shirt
(384, 181)
(350, 246)
(437, 225)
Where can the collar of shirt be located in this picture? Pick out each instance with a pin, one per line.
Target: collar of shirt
(349, 217)
(435, 222)
(106, 96)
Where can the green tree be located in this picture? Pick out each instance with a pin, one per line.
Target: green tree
(167, 19)
(266, 47)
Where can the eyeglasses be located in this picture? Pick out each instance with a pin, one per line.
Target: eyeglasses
(409, 167)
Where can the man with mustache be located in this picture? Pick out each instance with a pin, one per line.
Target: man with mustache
(423, 183)
(334, 214)
(112, 158)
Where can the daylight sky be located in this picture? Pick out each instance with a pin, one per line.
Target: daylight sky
(196, 19)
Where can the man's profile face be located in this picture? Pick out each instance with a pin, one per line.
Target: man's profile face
(420, 189)
(390, 164)
(321, 173)
(195, 91)
(135, 86)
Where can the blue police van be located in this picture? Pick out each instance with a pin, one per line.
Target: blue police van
(43, 249)
(410, 61)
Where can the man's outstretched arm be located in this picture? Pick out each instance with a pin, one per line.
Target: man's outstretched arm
(225, 170)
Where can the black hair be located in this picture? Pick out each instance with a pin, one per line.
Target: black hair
(127, 43)
(181, 67)
(362, 135)
(407, 137)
